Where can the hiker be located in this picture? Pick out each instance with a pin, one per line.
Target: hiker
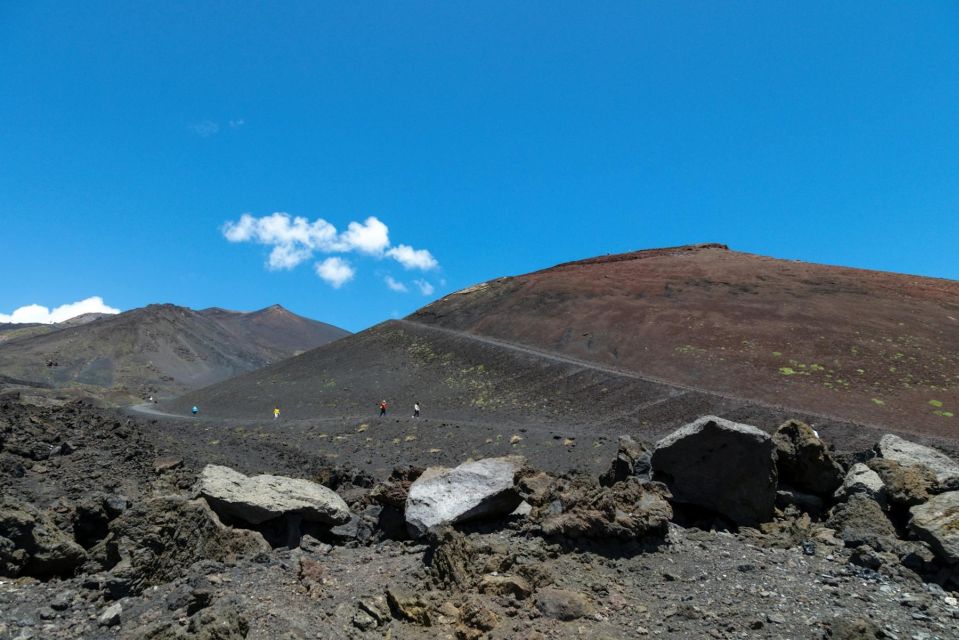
(276, 412)
(383, 408)
(416, 409)
(194, 410)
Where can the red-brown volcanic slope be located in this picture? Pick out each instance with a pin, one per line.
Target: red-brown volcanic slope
(867, 346)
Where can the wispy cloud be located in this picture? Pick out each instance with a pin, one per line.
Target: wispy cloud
(336, 271)
(395, 285)
(205, 128)
(294, 240)
(425, 287)
(237, 123)
(43, 315)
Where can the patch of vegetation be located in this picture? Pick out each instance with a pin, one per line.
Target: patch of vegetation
(878, 401)
(944, 414)
(787, 371)
(936, 403)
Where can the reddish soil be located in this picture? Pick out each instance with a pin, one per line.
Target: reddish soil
(864, 346)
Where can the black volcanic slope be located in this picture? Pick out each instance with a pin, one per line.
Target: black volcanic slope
(160, 349)
(643, 340)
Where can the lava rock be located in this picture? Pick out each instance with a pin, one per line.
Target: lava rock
(909, 454)
(860, 520)
(31, 544)
(563, 605)
(724, 466)
(906, 486)
(628, 510)
(632, 459)
(256, 499)
(862, 480)
(803, 461)
(937, 522)
(471, 491)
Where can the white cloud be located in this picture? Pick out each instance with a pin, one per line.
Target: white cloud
(412, 258)
(425, 287)
(205, 129)
(395, 285)
(336, 271)
(41, 314)
(295, 240)
(237, 123)
(371, 237)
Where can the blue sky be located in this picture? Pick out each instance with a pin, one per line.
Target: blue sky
(497, 138)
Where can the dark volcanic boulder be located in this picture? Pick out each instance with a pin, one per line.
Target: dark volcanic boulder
(160, 538)
(860, 520)
(723, 466)
(803, 461)
(30, 544)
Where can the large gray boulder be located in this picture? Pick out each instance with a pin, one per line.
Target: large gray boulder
(937, 522)
(910, 454)
(256, 499)
(473, 490)
(803, 461)
(724, 466)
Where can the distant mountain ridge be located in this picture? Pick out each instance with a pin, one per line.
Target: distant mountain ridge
(159, 350)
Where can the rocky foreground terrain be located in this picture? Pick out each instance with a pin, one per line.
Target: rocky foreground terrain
(718, 530)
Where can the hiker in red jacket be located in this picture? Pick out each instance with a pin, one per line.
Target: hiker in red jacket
(383, 408)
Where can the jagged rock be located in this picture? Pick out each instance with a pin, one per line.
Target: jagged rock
(724, 466)
(862, 480)
(562, 605)
(860, 520)
(906, 486)
(110, 617)
(452, 558)
(535, 487)
(498, 585)
(160, 538)
(632, 459)
(474, 490)
(31, 544)
(167, 463)
(475, 620)
(408, 606)
(937, 522)
(627, 510)
(910, 454)
(803, 461)
(256, 499)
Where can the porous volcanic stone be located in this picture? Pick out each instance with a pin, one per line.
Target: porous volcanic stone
(724, 466)
(31, 544)
(937, 522)
(485, 488)
(256, 499)
(911, 454)
(803, 461)
(860, 521)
